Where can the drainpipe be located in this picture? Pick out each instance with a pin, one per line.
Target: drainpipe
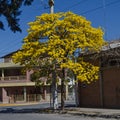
(101, 85)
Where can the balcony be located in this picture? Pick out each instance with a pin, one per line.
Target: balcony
(13, 78)
(14, 81)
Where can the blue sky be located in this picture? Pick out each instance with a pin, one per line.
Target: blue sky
(101, 13)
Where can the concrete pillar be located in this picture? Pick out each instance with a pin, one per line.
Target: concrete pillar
(27, 76)
(25, 94)
(76, 94)
(45, 93)
(5, 98)
(2, 74)
(28, 73)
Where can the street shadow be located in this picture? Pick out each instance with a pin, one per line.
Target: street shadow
(47, 110)
(27, 110)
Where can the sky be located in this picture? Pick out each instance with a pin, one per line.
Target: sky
(101, 13)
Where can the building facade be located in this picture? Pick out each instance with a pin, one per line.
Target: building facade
(105, 92)
(16, 86)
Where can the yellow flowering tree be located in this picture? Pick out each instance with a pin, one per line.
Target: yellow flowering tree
(55, 38)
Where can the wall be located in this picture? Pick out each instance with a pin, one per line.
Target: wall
(90, 95)
(111, 86)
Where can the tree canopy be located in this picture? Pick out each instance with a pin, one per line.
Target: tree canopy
(10, 9)
(59, 36)
(52, 43)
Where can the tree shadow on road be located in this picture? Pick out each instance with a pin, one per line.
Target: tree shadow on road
(45, 110)
(29, 110)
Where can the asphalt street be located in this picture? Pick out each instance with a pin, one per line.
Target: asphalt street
(37, 116)
(45, 117)
(42, 112)
(29, 108)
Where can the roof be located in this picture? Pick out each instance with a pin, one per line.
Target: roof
(111, 45)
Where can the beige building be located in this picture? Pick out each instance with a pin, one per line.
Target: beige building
(16, 86)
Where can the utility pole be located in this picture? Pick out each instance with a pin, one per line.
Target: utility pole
(54, 77)
(51, 4)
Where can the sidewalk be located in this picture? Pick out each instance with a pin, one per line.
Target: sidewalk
(94, 112)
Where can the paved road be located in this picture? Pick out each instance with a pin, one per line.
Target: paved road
(45, 117)
(28, 108)
(35, 112)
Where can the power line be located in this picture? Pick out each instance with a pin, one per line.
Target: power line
(100, 7)
(105, 23)
(92, 10)
(76, 4)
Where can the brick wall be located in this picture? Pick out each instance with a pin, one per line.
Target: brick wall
(111, 86)
(90, 95)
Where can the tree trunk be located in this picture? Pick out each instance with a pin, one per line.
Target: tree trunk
(54, 90)
(63, 90)
(55, 96)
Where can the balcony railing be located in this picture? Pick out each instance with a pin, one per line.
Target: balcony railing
(9, 78)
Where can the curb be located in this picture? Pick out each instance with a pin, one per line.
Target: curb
(18, 104)
(95, 113)
(115, 116)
